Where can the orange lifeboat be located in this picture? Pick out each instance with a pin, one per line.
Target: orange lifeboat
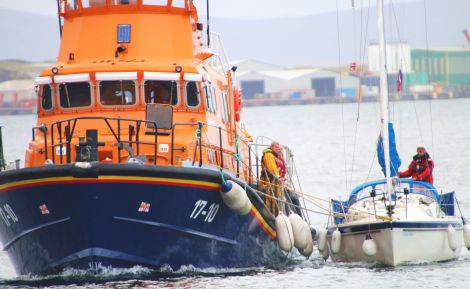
(137, 157)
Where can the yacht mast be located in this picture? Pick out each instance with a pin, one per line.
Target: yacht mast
(384, 106)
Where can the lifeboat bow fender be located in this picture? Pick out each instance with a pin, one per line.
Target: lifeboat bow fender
(285, 235)
(235, 197)
(301, 231)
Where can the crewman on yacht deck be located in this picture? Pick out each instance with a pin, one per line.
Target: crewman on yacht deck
(421, 167)
(271, 178)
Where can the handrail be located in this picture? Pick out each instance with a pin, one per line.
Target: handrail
(65, 129)
(428, 188)
(2, 156)
(71, 125)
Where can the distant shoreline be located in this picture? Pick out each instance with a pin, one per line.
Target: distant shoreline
(275, 102)
(337, 99)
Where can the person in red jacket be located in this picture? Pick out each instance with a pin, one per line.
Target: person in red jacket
(421, 168)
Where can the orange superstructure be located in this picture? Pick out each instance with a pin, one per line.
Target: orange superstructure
(139, 73)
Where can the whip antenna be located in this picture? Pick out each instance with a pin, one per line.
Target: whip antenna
(208, 25)
(60, 19)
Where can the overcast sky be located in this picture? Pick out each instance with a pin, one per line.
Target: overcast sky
(225, 8)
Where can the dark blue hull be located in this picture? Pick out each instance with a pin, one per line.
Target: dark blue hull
(55, 218)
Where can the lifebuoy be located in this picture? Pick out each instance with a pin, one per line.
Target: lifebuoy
(237, 103)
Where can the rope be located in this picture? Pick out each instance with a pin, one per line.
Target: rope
(429, 73)
(341, 95)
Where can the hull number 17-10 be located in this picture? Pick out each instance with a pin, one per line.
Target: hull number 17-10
(202, 210)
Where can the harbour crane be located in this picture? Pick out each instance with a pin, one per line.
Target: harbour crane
(467, 35)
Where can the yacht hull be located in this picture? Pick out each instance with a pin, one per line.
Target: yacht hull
(126, 215)
(400, 242)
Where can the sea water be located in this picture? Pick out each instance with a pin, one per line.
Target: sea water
(334, 147)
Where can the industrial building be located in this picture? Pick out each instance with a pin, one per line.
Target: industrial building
(262, 80)
(434, 71)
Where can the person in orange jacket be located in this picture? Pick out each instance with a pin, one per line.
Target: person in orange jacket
(421, 168)
(271, 178)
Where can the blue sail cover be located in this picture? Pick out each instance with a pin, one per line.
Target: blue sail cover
(395, 161)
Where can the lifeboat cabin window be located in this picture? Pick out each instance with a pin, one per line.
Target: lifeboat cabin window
(156, 2)
(223, 98)
(72, 5)
(161, 92)
(76, 94)
(214, 102)
(46, 93)
(179, 3)
(211, 104)
(120, 92)
(124, 2)
(192, 94)
(93, 3)
(207, 94)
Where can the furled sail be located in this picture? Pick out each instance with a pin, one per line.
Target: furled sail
(395, 160)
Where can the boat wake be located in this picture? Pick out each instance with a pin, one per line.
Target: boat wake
(98, 274)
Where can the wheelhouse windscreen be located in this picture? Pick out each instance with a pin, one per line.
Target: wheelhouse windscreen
(192, 94)
(161, 92)
(124, 2)
(93, 3)
(46, 97)
(121, 92)
(75, 94)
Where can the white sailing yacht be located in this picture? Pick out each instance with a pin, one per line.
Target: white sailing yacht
(394, 221)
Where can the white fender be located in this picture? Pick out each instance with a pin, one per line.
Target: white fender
(234, 196)
(322, 240)
(285, 236)
(466, 235)
(314, 234)
(301, 231)
(326, 252)
(336, 241)
(452, 238)
(369, 247)
(307, 251)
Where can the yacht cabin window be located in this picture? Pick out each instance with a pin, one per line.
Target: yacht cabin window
(117, 92)
(46, 94)
(192, 94)
(77, 94)
(161, 92)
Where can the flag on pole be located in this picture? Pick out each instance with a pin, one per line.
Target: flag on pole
(400, 81)
(353, 67)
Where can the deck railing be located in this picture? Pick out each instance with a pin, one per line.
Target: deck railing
(244, 161)
(2, 156)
